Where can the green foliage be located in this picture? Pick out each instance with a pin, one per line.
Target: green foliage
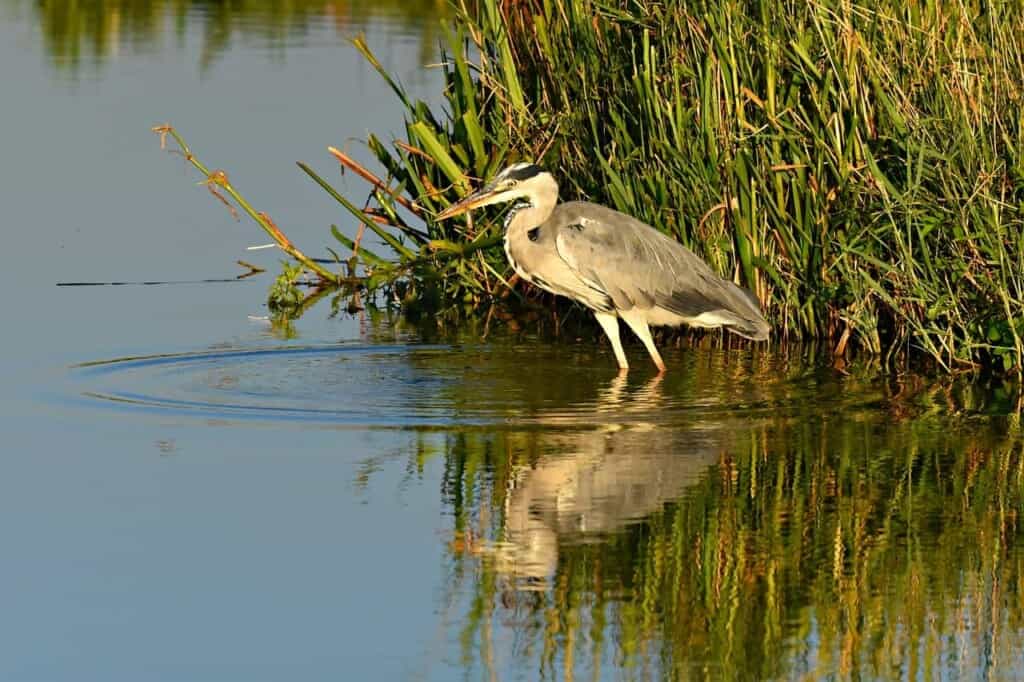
(285, 296)
(457, 263)
(859, 166)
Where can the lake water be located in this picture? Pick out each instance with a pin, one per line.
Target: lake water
(189, 492)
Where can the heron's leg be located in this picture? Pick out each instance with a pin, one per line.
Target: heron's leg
(610, 324)
(638, 323)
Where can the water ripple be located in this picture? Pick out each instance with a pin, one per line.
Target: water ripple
(423, 386)
(369, 385)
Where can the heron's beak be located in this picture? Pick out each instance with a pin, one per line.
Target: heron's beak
(482, 197)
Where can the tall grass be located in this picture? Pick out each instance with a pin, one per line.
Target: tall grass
(857, 165)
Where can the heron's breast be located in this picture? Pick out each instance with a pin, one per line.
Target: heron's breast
(515, 260)
(537, 261)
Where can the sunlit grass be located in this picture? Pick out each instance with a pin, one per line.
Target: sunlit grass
(857, 165)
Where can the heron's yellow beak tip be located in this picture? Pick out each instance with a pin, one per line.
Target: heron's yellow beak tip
(460, 207)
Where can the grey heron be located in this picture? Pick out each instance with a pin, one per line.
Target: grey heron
(612, 263)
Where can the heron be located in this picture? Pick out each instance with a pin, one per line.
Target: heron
(611, 263)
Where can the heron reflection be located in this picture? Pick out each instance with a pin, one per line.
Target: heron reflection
(597, 481)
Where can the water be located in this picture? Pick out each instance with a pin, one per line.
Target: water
(191, 492)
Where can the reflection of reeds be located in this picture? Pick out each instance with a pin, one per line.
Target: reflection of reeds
(840, 544)
(94, 31)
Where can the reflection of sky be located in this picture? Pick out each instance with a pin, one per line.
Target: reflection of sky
(152, 547)
(88, 196)
(140, 550)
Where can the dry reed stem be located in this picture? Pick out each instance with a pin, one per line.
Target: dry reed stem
(219, 179)
(360, 170)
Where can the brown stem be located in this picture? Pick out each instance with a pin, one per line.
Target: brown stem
(219, 179)
(360, 170)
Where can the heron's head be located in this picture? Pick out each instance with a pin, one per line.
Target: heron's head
(521, 180)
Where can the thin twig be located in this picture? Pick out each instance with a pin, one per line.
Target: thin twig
(219, 179)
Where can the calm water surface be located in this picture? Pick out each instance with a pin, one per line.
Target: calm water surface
(191, 493)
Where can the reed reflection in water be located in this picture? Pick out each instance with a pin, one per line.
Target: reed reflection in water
(77, 33)
(651, 534)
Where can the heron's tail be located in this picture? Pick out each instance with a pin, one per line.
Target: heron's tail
(756, 330)
(728, 306)
(747, 320)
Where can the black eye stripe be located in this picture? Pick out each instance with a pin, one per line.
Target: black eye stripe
(524, 173)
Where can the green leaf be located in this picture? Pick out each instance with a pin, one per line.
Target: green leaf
(368, 257)
(439, 154)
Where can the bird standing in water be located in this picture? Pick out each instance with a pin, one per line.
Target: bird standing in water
(611, 263)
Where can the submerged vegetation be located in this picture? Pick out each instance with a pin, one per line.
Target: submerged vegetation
(859, 166)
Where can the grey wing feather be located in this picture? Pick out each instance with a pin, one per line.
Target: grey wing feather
(637, 266)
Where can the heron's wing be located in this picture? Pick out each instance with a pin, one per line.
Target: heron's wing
(637, 266)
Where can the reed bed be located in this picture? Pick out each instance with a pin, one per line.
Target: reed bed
(859, 166)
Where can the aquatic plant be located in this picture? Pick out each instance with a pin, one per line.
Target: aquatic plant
(859, 166)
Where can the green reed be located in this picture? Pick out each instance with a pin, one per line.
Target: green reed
(857, 165)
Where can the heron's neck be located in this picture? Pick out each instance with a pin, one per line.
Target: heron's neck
(534, 209)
